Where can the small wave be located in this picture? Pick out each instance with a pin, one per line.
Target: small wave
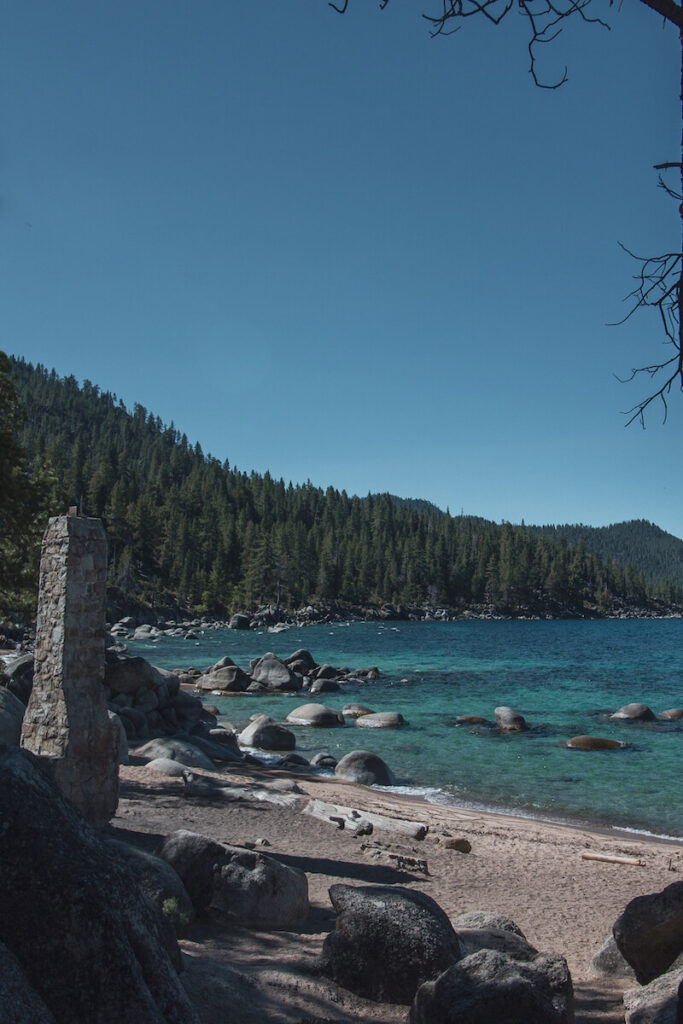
(647, 834)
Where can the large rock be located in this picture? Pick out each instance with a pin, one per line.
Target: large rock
(272, 673)
(649, 932)
(316, 715)
(266, 734)
(158, 881)
(635, 713)
(19, 676)
(381, 720)
(126, 674)
(240, 621)
(227, 679)
(364, 767)
(303, 656)
(473, 939)
(90, 943)
(509, 720)
(608, 962)
(660, 1002)
(486, 919)
(489, 987)
(11, 717)
(19, 1003)
(387, 942)
(176, 750)
(235, 884)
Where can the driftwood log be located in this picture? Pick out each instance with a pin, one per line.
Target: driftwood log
(613, 859)
(351, 818)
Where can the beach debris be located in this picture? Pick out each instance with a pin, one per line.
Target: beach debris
(388, 940)
(266, 734)
(73, 915)
(333, 812)
(611, 858)
(509, 720)
(381, 720)
(634, 713)
(659, 1002)
(400, 860)
(236, 884)
(649, 932)
(357, 826)
(365, 768)
(594, 743)
(491, 986)
(608, 962)
(315, 715)
(460, 844)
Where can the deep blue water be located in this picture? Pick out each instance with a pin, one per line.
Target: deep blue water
(564, 677)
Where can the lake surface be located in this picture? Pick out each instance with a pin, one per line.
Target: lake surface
(566, 678)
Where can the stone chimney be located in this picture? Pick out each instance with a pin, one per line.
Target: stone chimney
(66, 720)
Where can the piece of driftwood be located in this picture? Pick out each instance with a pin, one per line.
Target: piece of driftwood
(335, 812)
(400, 861)
(612, 859)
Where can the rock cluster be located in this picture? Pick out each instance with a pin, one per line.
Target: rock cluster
(397, 945)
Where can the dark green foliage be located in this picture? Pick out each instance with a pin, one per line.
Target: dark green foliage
(182, 525)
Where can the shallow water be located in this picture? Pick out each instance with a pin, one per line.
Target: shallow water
(565, 678)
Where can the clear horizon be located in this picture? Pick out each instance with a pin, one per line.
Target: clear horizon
(338, 250)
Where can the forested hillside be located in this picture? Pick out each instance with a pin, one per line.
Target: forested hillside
(653, 552)
(185, 526)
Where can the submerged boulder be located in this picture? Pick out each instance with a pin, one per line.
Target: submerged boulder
(594, 743)
(634, 713)
(388, 941)
(316, 715)
(381, 720)
(509, 720)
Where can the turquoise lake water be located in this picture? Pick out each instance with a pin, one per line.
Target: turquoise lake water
(566, 678)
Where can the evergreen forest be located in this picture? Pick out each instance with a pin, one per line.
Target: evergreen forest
(188, 530)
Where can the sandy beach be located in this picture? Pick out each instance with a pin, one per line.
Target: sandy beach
(532, 871)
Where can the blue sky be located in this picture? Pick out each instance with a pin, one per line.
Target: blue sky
(337, 249)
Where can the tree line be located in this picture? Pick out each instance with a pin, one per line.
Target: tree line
(185, 527)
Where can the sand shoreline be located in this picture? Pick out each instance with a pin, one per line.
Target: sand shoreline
(529, 869)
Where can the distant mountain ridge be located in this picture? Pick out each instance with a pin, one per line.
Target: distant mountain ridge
(656, 554)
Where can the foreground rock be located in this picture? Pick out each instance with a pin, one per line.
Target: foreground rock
(387, 942)
(365, 768)
(19, 1003)
(489, 987)
(660, 1002)
(91, 945)
(649, 933)
(235, 884)
(11, 716)
(608, 962)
